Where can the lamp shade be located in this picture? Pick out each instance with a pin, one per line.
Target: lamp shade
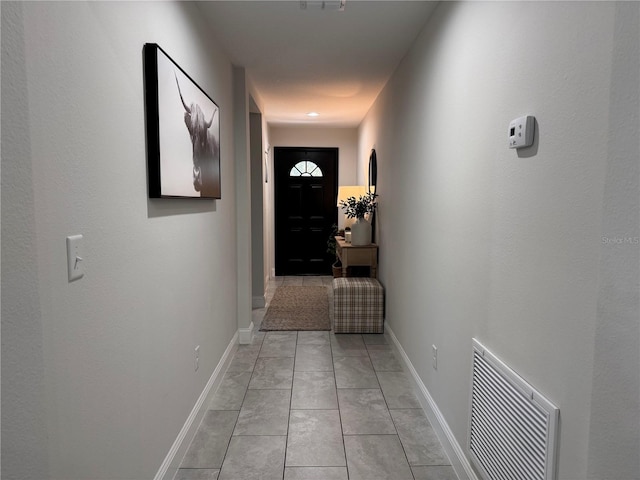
(345, 192)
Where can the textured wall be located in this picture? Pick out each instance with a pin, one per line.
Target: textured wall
(98, 375)
(614, 441)
(478, 240)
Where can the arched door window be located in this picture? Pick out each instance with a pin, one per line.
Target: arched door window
(305, 168)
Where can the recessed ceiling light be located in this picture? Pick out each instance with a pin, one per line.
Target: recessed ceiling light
(313, 114)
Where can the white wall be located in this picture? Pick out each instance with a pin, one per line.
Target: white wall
(257, 211)
(98, 375)
(614, 441)
(345, 139)
(242, 165)
(263, 188)
(477, 240)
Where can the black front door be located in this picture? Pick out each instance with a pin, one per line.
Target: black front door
(306, 184)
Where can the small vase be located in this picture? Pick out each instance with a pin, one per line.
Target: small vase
(361, 232)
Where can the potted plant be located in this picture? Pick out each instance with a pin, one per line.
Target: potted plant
(361, 229)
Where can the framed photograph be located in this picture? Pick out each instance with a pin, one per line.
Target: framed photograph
(183, 131)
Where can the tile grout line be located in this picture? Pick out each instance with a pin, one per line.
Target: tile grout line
(388, 409)
(286, 443)
(397, 434)
(246, 390)
(335, 382)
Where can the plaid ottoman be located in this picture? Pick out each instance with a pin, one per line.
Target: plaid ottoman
(358, 305)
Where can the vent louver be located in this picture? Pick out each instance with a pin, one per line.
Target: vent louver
(512, 427)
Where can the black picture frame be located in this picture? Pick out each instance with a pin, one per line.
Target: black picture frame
(183, 131)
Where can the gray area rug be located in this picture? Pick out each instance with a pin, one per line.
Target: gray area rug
(298, 308)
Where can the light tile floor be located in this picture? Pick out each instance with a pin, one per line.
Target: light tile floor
(314, 406)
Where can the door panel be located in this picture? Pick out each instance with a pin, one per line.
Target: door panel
(305, 210)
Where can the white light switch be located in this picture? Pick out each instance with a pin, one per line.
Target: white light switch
(75, 261)
(521, 132)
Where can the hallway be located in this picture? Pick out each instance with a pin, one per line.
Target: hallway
(314, 405)
(531, 251)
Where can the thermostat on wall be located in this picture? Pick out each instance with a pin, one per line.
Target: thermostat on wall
(521, 132)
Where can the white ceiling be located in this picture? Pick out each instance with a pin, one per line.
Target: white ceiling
(331, 62)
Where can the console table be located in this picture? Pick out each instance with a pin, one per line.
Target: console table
(357, 256)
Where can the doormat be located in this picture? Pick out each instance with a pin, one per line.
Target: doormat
(298, 308)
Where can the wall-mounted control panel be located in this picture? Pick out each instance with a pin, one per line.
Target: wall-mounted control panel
(521, 132)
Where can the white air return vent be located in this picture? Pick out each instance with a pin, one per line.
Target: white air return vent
(512, 427)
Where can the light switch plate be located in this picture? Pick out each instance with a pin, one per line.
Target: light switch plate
(75, 261)
(434, 352)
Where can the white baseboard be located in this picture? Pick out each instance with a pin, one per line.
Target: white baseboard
(452, 448)
(172, 461)
(258, 302)
(245, 335)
